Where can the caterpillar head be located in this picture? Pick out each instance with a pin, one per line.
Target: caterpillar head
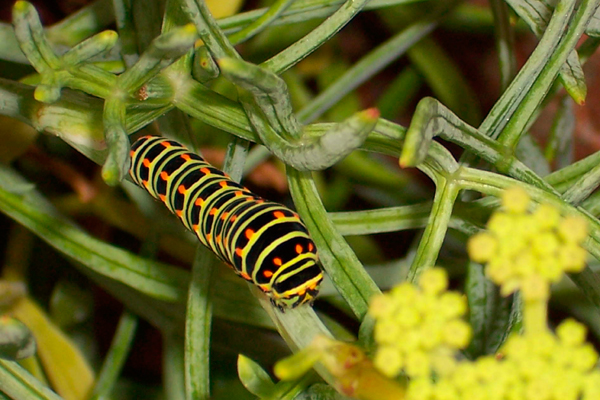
(298, 286)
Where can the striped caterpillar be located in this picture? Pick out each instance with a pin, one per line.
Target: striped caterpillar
(264, 242)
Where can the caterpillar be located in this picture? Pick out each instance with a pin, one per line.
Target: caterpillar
(264, 242)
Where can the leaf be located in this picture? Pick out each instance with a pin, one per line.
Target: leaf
(68, 371)
(254, 378)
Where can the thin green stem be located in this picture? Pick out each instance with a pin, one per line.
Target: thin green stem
(435, 231)
(311, 42)
(116, 356)
(505, 41)
(173, 366)
(262, 22)
(366, 68)
(17, 383)
(125, 25)
(197, 326)
(338, 259)
(515, 127)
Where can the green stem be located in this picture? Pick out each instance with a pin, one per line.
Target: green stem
(562, 48)
(117, 163)
(17, 383)
(116, 357)
(124, 20)
(435, 231)
(197, 326)
(338, 259)
(311, 42)
(262, 22)
(173, 365)
(366, 68)
(505, 42)
(208, 29)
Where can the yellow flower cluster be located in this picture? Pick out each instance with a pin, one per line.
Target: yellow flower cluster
(532, 367)
(418, 329)
(528, 251)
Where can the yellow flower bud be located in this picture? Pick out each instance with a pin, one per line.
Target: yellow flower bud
(572, 257)
(584, 357)
(545, 243)
(550, 268)
(387, 331)
(380, 306)
(417, 364)
(546, 216)
(452, 305)
(515, 199)
(457, 333)
(573, 229)
(591, 386)
(388, 360)
(433, 280)
(420, 389)
(482, 247)
(404, 294)
(571, 333)
(499, 271)
(500, 224)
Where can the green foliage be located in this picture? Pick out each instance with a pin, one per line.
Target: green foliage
(93, 88)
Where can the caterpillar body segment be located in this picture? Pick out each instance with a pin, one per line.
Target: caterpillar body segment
(265, 242)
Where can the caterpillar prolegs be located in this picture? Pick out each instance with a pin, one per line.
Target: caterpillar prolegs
(266, 243)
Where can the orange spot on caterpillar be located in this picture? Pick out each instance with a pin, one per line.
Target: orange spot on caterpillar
(146, 163)
(186, 157)
(260, 201)
(277, 261)
(223, 184)
(224, 216)
(311, 247)
(218, 238)
(239, 252)
(195, 227)
(165, 143)
(301, 292)
(267, 273)
(205, 171)
(299, 249)
(213, 211)
(164, 176)
(199, 201)
(238, 193)
(181, 189)
(264, 288)
(245, 276)
(163, 198)
(208, 237)
(278, 214)
(131, 153)
(233, 218)
(179, 213)
(145, 183)
(249, 233)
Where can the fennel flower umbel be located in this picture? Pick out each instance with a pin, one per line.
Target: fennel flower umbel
(418, 329)
(529, 251)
